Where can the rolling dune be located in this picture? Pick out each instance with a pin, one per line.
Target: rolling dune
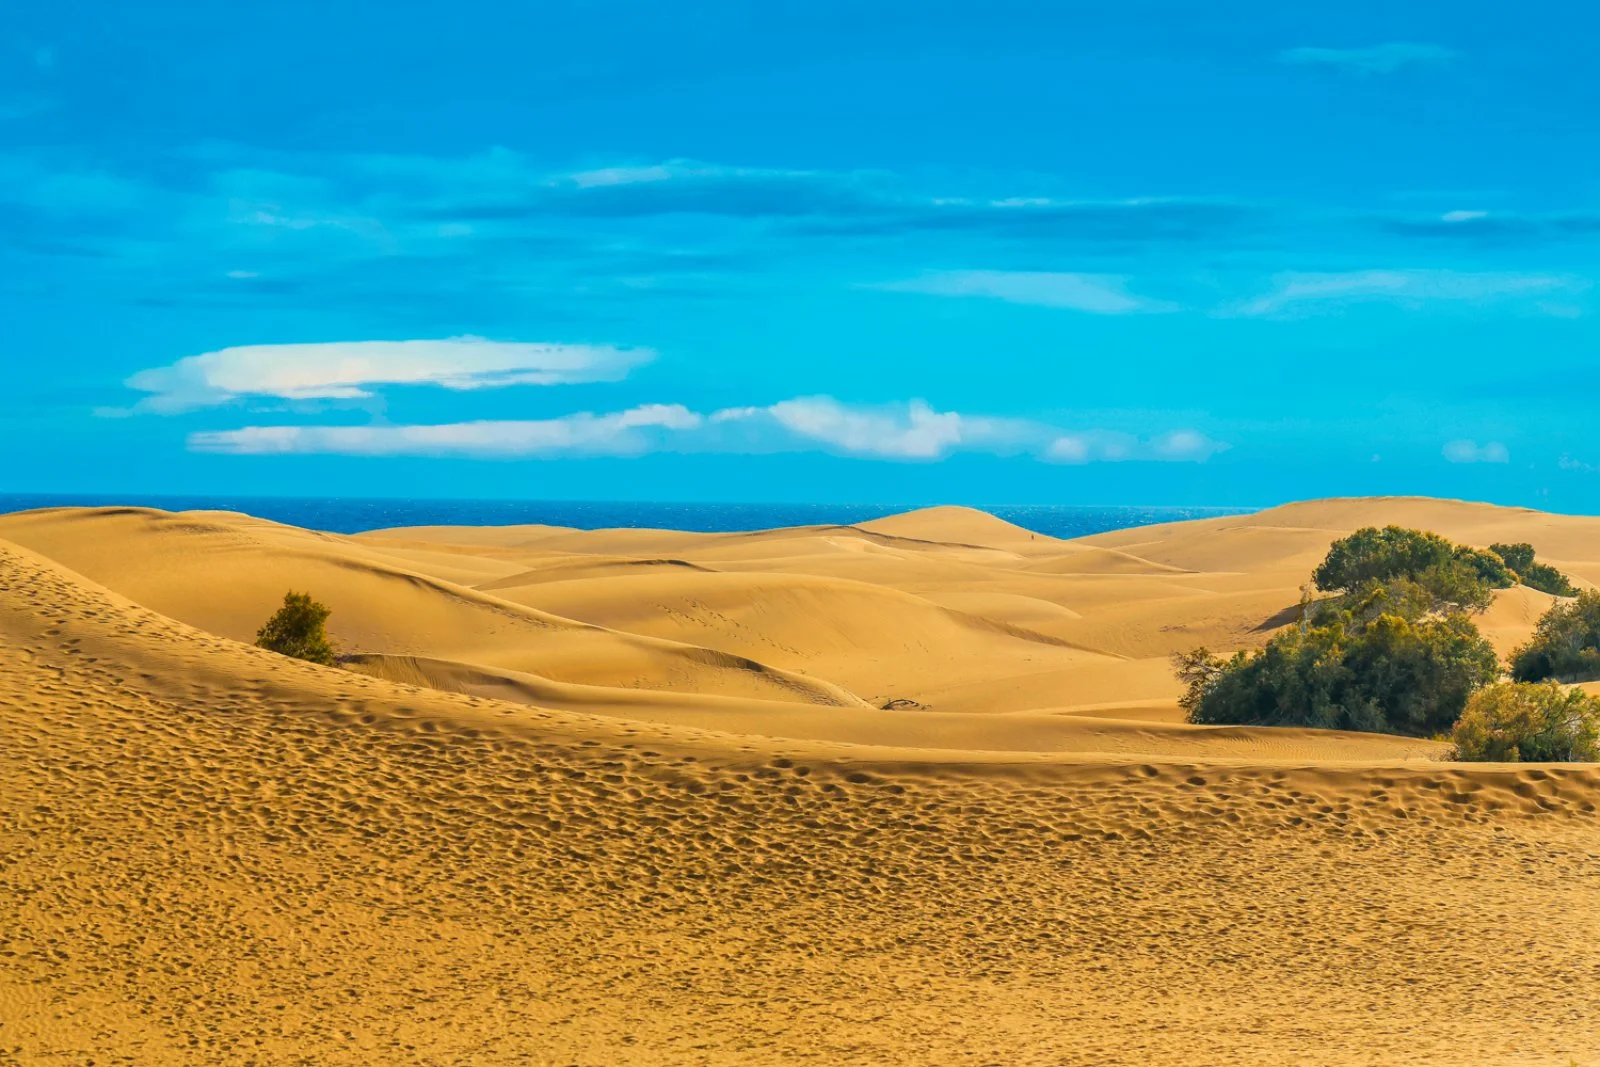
(911, 792)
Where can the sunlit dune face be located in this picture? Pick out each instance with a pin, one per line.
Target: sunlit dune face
(907, 789)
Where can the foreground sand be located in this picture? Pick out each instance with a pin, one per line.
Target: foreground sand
(647, 808)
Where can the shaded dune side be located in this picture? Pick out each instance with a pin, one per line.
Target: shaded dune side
(214, 854)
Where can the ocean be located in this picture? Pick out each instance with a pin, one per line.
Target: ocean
(353, 515)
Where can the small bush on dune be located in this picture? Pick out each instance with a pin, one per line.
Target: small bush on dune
(1534, 575)
(1565, 644)
(1519, 557)
(1547, 579)
(1371, 554)
(1456, 576)
(1385, 673)
(1393, 652)
(1485, 565)
(1525, 722)
(297, 630)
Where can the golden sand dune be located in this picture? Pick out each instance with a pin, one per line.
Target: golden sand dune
(226, 577)
(624, 797)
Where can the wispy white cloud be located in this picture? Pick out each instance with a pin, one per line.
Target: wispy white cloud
(1377, 59)
(1183, 445)
(620, 433)
(905, 431)
(1069, 448)
(1303, 293)
(1102, 446)
(900, 431)
(589, 179)
(351, 369)
(1568, 463)
(1465, 451)
(1100, 294)
(917, 433)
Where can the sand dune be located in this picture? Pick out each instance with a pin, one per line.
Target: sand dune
(178, 564)
(628, 797)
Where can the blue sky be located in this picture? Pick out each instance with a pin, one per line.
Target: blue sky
(1223, 254)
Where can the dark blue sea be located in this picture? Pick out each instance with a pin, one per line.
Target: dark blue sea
(353, 515)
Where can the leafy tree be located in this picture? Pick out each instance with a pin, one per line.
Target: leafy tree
(1393, 650)
(1565, 644)
(1486, 566)
(1350, 670)
(1547, 579)
(1519, 557)
(1371, 554)
(1518, 721)
(1535, 575)
(1198, 670)
(1457, 577)
(297, 629)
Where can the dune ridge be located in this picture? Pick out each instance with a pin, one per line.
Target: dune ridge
(215, 854)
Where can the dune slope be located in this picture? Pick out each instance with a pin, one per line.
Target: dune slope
(211, 854)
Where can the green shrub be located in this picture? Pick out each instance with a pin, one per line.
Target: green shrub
(1565, 644)
(1486, 566)
(297, 629)
(1393, 651)
(1456, 576)
(1348, 670)
(1519, 721)
(1533, 574)
(1547, 579)
(1519, 557)
(1371, 554)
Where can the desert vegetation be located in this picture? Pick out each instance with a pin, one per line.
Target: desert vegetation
(1532, 573)
(1394, 649)
(1565, 645)
(1529, 722)
(1456, 577)
(535, 820)
(1376, 664)
(299, 629)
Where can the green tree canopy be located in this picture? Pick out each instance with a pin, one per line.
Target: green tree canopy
(1547, 579)
(1519, 557)
(1523, 722)
(1456, 576)
(1371, 554)
(297, 629)
(1386, 673)
(1392, 652)
(1565, 644)
(1535, 575)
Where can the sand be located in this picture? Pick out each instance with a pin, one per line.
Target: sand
(622, 797)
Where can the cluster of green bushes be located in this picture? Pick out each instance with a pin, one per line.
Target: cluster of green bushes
(1394, 650)
(1381, 662)
(1531, 572)
(1565, 645)
(1530, 723)
(1459, 576)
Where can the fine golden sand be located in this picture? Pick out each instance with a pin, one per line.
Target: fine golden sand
(911, 792)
